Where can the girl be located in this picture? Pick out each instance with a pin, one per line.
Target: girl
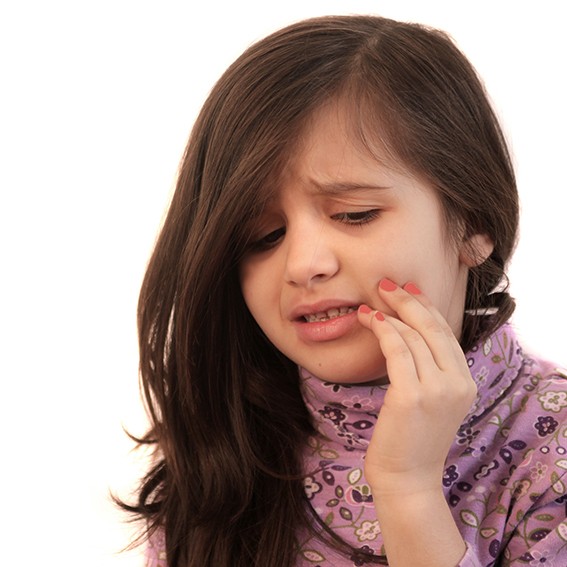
(346, 206)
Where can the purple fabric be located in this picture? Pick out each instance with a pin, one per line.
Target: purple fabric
(504, 477)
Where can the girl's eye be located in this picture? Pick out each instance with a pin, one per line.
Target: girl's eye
(359, 217)
(269, 240)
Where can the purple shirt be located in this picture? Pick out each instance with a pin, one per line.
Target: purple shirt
(504, 477)
(505, 473)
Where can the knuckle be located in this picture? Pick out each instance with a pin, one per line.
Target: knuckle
(433, 325)
(405, 299)
(401, 350)
(411, 335)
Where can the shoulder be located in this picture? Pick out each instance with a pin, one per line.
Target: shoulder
(533, 423)
(545, 385)
(521, 436)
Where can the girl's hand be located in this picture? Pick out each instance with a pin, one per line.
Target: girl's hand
(430, 393)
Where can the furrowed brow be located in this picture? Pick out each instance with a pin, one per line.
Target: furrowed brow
(340, 187)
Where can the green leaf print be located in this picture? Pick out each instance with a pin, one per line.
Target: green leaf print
(328, 454)
(354, 476)
(559, 487)
(562, 530)
(469, 518)
(487, 533)
(312, 556)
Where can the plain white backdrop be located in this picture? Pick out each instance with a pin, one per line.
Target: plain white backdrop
(96, 103)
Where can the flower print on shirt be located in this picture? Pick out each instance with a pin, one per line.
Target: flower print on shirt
(509, 499)
(368, 531)
(450, 475)
(505, 476)
(311, 487)
(546, 425)
(359, 403)
(553, 401)
(538, 471)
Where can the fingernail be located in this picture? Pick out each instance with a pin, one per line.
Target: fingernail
(364, 309)
(412, 288)
(388, 285)
(379, 316)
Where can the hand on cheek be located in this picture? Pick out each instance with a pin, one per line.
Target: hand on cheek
(431, 391)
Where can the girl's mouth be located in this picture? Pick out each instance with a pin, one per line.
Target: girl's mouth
(332, 313)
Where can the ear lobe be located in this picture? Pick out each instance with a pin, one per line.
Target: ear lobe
(475, 250)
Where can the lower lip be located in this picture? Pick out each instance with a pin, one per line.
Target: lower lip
(320, 331)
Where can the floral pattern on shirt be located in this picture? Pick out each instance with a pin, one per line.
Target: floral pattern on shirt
(504, 477)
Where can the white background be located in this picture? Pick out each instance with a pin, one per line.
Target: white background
(96, 102)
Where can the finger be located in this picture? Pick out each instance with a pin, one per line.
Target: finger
(403, 362)
(414, 290)
(421, 316)
(400, 364)
(423, 358)
(410, 363)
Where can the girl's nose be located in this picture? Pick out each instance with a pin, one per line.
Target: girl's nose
(311, 257)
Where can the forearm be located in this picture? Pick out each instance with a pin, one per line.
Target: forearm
(419, 530)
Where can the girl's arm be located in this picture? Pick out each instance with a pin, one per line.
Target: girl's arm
(430, 393)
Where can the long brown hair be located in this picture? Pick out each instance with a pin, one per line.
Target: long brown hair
(224, 404)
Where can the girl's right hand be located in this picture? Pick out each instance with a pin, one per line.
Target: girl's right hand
(431, 391)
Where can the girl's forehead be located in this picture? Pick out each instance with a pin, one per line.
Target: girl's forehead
(335, 152)
(352, 129)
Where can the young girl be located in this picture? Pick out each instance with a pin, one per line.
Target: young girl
(326, 356)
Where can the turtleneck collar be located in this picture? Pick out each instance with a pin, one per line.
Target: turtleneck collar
(346, 414)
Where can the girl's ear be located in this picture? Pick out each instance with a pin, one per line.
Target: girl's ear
(475, 250)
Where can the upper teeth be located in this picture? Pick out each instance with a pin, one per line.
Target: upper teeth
(330, 314)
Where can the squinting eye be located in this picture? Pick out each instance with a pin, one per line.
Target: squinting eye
(359, 217)
(266, 242)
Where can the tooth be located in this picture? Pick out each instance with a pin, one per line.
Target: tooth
(330, 314)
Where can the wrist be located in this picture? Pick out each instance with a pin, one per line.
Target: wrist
(419, 529)
(417, 501)
(395, 485)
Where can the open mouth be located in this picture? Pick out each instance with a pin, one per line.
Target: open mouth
(332, 313)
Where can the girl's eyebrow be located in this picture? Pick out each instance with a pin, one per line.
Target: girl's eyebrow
(339, 187)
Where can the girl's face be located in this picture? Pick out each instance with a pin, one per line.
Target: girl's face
(341, 222)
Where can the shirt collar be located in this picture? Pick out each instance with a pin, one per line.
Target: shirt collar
(346, 413)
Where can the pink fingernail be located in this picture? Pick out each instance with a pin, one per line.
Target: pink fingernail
(412, 288)
(379, 316)
(364, 309)
(388, 285)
